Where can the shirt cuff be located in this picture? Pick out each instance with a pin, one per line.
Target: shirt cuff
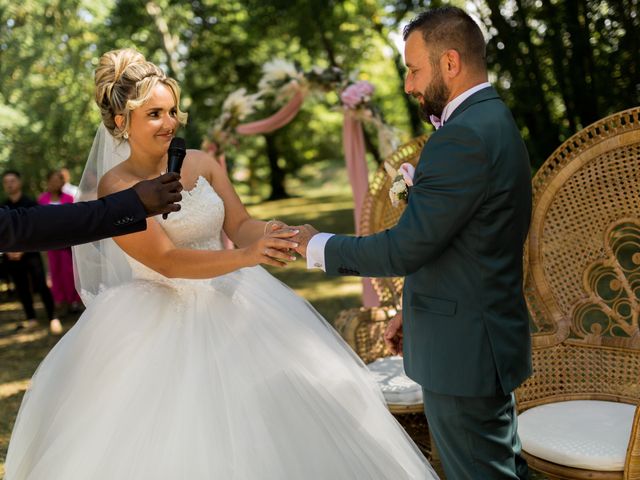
(315, 250)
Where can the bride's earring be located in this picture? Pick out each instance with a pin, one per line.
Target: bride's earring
(126, 135)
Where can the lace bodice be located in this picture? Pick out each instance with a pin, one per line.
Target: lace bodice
(198, 225)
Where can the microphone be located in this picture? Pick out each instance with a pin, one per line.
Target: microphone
(176, 154)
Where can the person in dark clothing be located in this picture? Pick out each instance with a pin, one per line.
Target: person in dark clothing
(48, 227)
(26, 268)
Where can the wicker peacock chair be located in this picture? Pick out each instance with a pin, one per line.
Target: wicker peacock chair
(363, 327)
(582, 286)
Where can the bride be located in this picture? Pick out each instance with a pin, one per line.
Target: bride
(190, 361)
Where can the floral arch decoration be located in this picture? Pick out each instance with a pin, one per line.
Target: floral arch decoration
(288, 86)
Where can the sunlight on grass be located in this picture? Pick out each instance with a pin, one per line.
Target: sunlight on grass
(25, 337)
(11, 388)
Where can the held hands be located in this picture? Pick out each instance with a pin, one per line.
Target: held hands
(160, 194)
(393, 334)
(303, 237)
(275, 247)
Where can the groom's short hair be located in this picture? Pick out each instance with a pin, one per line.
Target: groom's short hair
(450, 28)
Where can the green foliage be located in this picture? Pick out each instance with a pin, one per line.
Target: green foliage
(562, 65)
(559, 66)
(46, 55)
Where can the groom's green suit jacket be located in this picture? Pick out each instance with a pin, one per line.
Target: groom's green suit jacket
(459, 244)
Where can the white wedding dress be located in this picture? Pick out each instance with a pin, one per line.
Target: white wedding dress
(235, 377)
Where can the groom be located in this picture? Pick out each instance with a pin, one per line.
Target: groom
(465, 333)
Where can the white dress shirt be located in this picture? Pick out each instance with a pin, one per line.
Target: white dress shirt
(315, 249)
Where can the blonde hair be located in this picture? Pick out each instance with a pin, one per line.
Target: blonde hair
(124, 80)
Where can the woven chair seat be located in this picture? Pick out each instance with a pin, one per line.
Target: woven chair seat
(397, 388)
(587, 434)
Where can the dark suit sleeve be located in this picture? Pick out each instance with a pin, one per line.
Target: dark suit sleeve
(57, 226)
(450, 184)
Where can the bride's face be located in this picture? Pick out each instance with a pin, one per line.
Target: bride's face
(153, 125)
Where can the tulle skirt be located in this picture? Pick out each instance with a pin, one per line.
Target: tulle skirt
(231, 378)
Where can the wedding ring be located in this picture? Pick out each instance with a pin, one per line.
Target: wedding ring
(266, 225)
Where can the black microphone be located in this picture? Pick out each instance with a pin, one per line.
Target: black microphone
(177, 152)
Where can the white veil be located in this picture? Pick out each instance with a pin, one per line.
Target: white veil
(102, 264)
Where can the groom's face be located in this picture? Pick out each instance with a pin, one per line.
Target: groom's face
(424, 79)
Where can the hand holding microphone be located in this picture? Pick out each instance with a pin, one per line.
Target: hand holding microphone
(176, 154)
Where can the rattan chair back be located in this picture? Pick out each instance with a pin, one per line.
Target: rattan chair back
(583, 252)
(582, 277)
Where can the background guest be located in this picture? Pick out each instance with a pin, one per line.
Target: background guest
(26, 268)
(68, 187)
(60, 261)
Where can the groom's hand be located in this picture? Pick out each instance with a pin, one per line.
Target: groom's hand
(393, 334)
(306, 232)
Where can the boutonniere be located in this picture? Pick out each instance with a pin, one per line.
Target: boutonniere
(401, 180)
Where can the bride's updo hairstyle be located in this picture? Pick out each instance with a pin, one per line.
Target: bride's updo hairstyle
(124, 80)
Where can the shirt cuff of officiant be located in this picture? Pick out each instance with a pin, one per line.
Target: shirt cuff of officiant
(315, 250)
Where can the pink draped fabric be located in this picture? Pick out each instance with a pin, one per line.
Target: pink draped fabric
(275, 121)
(354, 154)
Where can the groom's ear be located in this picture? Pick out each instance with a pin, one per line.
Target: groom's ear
(451, 63)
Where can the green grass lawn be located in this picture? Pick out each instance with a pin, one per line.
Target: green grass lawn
(322, 198)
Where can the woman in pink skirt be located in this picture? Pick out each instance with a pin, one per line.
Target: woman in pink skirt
(60, 261)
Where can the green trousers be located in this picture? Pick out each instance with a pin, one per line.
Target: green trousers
(476, 437)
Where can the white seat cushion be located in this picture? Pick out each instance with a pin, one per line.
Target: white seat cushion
(587, 434)
(396, 387)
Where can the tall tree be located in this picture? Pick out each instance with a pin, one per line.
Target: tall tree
(46, 56)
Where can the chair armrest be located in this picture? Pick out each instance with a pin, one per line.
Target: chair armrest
(362, 328)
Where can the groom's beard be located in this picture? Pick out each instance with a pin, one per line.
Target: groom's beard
(434, 98)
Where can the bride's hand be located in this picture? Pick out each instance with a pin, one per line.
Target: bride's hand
(273, 225)
(273, 248)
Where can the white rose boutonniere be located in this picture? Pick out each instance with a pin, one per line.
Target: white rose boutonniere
(402, 179)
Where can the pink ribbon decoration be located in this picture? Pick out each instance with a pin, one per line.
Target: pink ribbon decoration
(275, 121)
(354, 154)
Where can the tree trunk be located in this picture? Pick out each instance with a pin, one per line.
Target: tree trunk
(415, 121)
(558, 54)
(581, 57)
(628, 52)
(277, 175)
(170, 40)
(528, 102)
